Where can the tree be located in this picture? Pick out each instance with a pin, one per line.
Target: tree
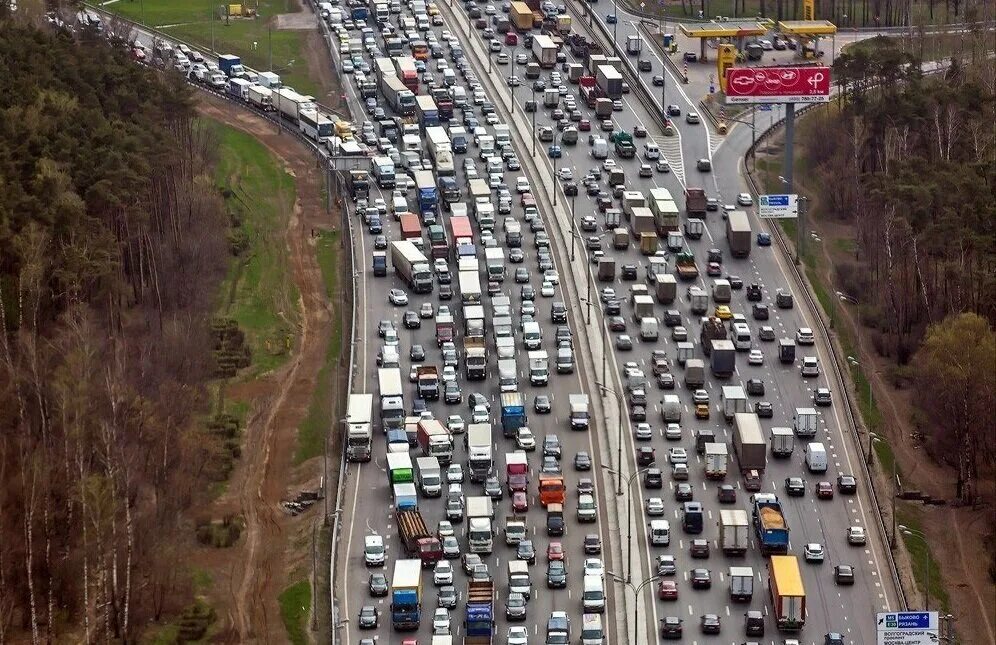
(956, 386)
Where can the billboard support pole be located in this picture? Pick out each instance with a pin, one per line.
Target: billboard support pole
(788, 172)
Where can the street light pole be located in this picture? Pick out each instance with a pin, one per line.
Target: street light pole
(553, 188)
(574, 229)
(636, 600)
(629, 518)
(926, 562)
(534, 119)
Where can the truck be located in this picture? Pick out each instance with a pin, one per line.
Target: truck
(430, 479)
(738, 234)
(382, 169)
(494, 261)
(769, 524)
(631, 199)
(664, 209)
(551, 97)
(694, 227)
(480, 461)
(418, 540)
(741, 584)
(544, 51)
(428, 193)
(426, 111)
(439, 243)
(261, 97)
(684, 265)
(515, 530)
(580, 414)
(574, 72)
(558, 627)
(699, 300)
(620, 240)
(440, 151)
(405, 496)
(634, 44)
(695, 202)
(786, 350)
(665, 288)
(564, 24)
(624, 146)
(734, 531)
(411, 227)
(748, 442)
(460, 229)
(290, 104)
(713, 329)
(788, 596)
(723, 358)
(521, 16)
(513, 413)
(782, 442)
(231, 65)
(516, 471)
(427, 382)
(734, 401)
(435, 440)
(508, 378)
(641, 224)
(444, 329)
(480, 534)
(716, 458)
(539, 367)
(609, 81)
(643, 306)
(480, 617)
(398, 97)
(475, 358)
(392, 403)
(406, 595)
(805, 422)
(359, 424)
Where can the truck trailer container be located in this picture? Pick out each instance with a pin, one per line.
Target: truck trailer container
(734, 531)
(406, 595)
(788, 596)
(748, 442)
(738, 234)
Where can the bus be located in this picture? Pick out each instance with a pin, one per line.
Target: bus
(316, 126)
(359, 427)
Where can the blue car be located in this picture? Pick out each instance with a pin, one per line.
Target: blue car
(763, 239)
(554, 152)
(610, 19)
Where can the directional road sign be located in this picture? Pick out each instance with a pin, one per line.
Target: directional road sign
(778, 206)
(908, 628)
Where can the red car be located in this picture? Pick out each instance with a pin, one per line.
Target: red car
(511, 38)
(520, 502)
(584, 125)
(555, 551)
(667, 590)
(824, 490)
(714, 269)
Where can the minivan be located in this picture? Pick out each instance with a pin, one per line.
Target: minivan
(816, 458)
(531, 335)
(660, 532)
(373, 550)
(593, 594)
(651, 151)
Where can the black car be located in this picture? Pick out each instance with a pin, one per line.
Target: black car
(754, 623)
(727, 494)
(586, 486)
(556, 574)
(412, 321)
(492, 488)
(764, 410)
(369, 617)
(715, 255)
(526, 551)
(847, 484)
(378, 585)
(710, 624)
(665, 381)
(755, 387)
(554, 523)
(612, 307)
(445, 292)
(699, 549)
(690, 57)
(653, 478)
(551, 446)
(582, 461)
(736, 282)
(571, 189)
(795, 486)
(541, 404)
(754, 292)
(671, 628)
(416, 353)
(638, 413)
(644, 65)
(683, 492)
(592, 544)
(672, 317)
(701, 579)
(657, 80)
(760, 311)
(629, 272)
(843, 574)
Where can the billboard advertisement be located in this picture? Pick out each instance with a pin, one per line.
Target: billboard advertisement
(778, 85)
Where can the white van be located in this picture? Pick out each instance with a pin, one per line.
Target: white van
(660, 532)
(532, 337)
(599, 148)
(671, 409)
(518, 578)
(741, 337)
(593, 594)
(816, 458)
(449, 77)
(459, 95)
(373, 550)
(651, 151)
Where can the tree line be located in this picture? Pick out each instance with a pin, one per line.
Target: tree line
(112, 247)
(912, 165)
(843, 13)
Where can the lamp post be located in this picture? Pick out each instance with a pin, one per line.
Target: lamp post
(636, 596)
(926, 562)
(619, 420)
(574, 229)
(534, 118)
(868, 455)
(629, 516)
(513, 82)
(553, 188)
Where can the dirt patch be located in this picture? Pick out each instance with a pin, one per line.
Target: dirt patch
(256, 570)
(301, 21)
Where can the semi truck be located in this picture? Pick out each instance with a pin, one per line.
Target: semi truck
(513, 413)
(788, 596)
(418, 541)
(480, 617)
(769, 524)
(440, 150)
(544, 51)
(359, 423)
(580, 414)
(480, 458)
(430, 480)
(734, 531)
(412, 266)
(480, 534)
(716, 458)
(748, 442)
(406, 595)
(290, 104)
(738, 234)
(428, 193)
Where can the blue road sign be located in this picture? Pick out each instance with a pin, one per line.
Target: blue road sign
(766, 107)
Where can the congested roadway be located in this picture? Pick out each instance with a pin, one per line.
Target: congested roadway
(832, 608)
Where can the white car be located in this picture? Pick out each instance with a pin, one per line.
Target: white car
(451, 547)
(804, 336)
(444, 529)
(608, 164)
(381, 204)
(397, 297)
(701, 397)
(442, 574)
(655, 506)
(755, 357)
(524, 439)
(643, 432)
(454, 473)
(449, 374)
(813, 552)
(521, 185)
(480, 414)
(594, 567)
(547, 290)
(517, 636)
(856, 535)
(441, 621)
(565, 174)
(551, 276)
(677, 456)
(744, 199)
(455, 424)
(672, 432)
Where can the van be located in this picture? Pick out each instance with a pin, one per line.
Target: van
(691, 517)
(599, 148)
(569, 137)
(532, 337)
(816, 458)
(459, 95)
(507, 377)
(741, 337)
(373, 550)
(660, 532)
(592, 632)
(671, 408)
(565, 360)
(495, 165)
(651, 152)
(593, 594)
(810, 366)
(721, 292)
(518, 578)
(449, 77)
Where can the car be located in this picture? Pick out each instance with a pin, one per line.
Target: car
(556, 574)
(584, 125)
(582, 461)
(643, 432)
(690, 57)
(824, 490)
(454, 508)
(441, 621)
(369, 617)
(672, 431)
(766, 333)
(714, 269)
(585, 486)
(710, 624)
(679, 333)
(843, 574)
(821, 397)
(397, 297)
(547, 290)
(526, 551)
(454, 474)
(756, 357)
(525, 440)
(617, 323)
(755, 387)
(502, 59)
(754, 293)
(646, 170)
(847, 484)
(699, 397)
(447, 597)
(692, 118)
(594, 567)
(666, 565)
(520, 502)
(515, 606)
(645, 456)
(652, 477)
(683, 492)
(667, 590)
(677, 455)
(657, 80)
(550, 465)
(624, 342)
(554, 152)
(795, 486)
(444, 529)
(833, 638)
(764, 239)
(426, 311)
(517, 635)
(679, 472)
(470, 561)
(856, 535)
(673, 110)
(610, 19)
(492, 487)
(813, 552)
(701, 579)
(592, 544)
(541, 404)
(551, 446)
(452, 393)
(703, 165)
(671, 628)
(411, 320)
(723, 312)
(378, 585)
(699, 549)
(744, 199)
(760, 311)
(764, 409)
(655, 506)
(726, 494)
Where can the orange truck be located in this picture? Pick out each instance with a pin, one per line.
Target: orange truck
(552, 489)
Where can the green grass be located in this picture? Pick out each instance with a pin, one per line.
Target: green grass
(259, 292)
(319, 422)
(191, 21)
(921, 556)
(295, 603)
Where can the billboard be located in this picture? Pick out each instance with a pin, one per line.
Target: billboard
(908, 628)
(778, 85)
(777, 206)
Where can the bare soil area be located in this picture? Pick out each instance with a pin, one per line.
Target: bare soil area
(249, 577)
